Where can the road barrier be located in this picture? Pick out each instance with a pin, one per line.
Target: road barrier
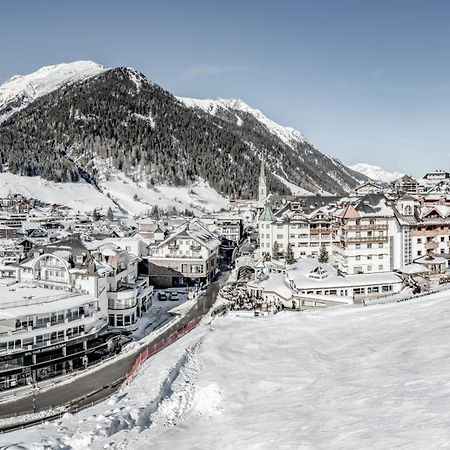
(155, 347)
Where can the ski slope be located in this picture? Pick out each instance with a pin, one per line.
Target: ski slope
(342, 378)
(119, 192)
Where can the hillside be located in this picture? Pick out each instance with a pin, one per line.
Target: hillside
(293, 159)
(87, 122)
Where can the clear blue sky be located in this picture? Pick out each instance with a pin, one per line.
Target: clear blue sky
(365, 81)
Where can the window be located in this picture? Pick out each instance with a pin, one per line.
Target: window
(380, 245)
(358, 258)
(358, 246)
(369, 245)
(369, 268)
(419, 240)
(380, 267)
(380, 256)
(369, 256)
(119, 320)
(419, 252)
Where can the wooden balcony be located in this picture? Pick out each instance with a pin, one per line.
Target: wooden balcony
(316, 231)
(361, 240)
(369, 227)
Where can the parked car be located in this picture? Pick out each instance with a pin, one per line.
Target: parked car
(174, 296)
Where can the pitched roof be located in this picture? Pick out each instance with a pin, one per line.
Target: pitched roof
(349, 212)
(267, 215)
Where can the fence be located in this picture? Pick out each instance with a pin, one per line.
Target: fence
(155, 347)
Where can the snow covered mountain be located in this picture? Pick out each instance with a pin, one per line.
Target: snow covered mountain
(20, 90)
(121, 132)
(287, 134)
(376, 173)
(319, 172)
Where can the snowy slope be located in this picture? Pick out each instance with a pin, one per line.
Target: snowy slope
(79, 196)
(119, 193)
(20, 90)
(136, 198)
(341, 378)
(296, 190)
(287, 134)
(376, 173)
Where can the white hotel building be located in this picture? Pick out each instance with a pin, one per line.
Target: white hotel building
(57, 304)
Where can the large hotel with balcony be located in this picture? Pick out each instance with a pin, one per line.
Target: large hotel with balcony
(44, 333)
(62, 306)
(361, 239)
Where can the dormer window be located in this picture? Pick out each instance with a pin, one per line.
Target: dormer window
(408, 210)
(319, 273)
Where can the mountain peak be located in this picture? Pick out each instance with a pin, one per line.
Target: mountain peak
(20, 90)
(376, 173)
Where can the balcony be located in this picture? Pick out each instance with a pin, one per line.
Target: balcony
(430, 233)
(370, 227)
(360, 240)
(315, 231)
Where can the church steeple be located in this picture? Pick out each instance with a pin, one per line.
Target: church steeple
(262, 187)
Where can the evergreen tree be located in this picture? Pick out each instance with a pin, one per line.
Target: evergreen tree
(323, 254)
(110, 214)
(289, 255)
(276, 250)
(155, 213)
(95, 215)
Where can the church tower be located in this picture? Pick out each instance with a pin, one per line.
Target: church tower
(262, 187)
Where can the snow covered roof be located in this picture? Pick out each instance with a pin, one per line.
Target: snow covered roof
(21, 299)
(196, 230)
(412, 269)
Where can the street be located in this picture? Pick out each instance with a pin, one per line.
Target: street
(104, 381)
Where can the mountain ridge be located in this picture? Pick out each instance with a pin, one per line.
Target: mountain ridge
(118, 117)
(377, 173)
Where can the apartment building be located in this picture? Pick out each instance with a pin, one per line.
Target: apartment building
(189, 255)
(362, 236)
(305, 232)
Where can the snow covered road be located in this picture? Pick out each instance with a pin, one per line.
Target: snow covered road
(343, 378)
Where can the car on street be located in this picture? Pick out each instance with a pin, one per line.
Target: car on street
(162, 296)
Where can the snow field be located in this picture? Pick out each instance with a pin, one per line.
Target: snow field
(340, 378)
